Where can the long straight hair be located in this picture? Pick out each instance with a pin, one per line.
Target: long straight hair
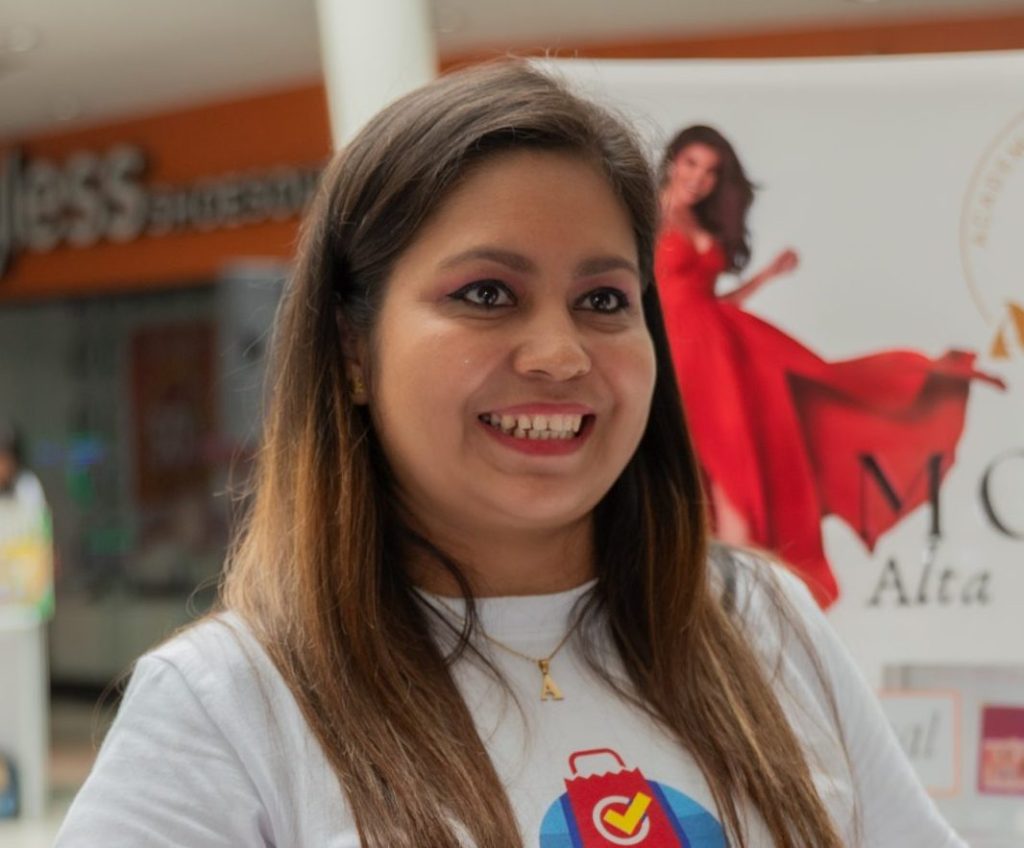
(723, 213)
(317, 572)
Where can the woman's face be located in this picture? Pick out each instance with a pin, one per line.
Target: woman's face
(511, 368)
(693, 176)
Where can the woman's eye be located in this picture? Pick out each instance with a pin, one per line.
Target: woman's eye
(490, 294)
(604, 300)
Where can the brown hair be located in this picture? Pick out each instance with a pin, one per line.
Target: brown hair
(723, 213)
(317, 573)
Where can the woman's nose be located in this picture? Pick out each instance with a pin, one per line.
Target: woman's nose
(551, 347)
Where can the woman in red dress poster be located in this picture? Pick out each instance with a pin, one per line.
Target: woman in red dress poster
(784, 437)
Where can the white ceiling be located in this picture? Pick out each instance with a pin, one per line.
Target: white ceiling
(90, 61)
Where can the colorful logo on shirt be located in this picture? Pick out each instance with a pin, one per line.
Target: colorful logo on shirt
(622, 807)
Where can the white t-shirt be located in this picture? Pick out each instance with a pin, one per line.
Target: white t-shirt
(210, 749)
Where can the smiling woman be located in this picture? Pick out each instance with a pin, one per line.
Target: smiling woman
(476, 480)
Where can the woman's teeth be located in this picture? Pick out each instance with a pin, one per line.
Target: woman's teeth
(535, 426)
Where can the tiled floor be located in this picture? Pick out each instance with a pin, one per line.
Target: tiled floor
(76, 730)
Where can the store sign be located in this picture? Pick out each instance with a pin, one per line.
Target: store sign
(927, 725)
(91, 197)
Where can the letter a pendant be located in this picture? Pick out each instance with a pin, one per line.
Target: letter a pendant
(548, 689)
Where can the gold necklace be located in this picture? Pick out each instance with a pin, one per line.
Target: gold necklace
(549, 690)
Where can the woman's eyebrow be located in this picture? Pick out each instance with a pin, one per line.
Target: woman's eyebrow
(603, 264)
(524, 265)
(511, 259)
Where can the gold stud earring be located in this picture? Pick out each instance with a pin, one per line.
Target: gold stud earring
(358, 388)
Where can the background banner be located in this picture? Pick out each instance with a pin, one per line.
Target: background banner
(860, 408)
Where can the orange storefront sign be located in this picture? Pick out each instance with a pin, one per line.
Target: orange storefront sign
(159, 201)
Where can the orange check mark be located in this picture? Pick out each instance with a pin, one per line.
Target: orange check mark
(628, 821)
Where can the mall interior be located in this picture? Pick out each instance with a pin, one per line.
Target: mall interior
(188, 138)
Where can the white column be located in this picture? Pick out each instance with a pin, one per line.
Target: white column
(372, 52)
(24, 705)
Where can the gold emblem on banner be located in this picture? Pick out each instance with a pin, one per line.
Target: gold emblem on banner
(1010, 335)
(990, 247)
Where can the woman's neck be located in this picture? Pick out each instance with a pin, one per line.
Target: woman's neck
(511, 563)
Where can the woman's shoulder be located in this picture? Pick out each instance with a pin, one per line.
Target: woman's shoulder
(207, 748)
(774, 608)
(219, 642)
(783, 624)
(217, 661)
(754, 585)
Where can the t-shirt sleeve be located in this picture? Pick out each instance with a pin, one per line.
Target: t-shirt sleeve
(894, 809)
(165, 776)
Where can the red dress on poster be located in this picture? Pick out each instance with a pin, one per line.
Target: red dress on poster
(790, 438)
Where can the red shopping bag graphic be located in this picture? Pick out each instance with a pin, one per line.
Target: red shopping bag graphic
(618, 807)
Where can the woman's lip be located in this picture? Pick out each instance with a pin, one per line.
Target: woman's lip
(543, 408)
(543, 447)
